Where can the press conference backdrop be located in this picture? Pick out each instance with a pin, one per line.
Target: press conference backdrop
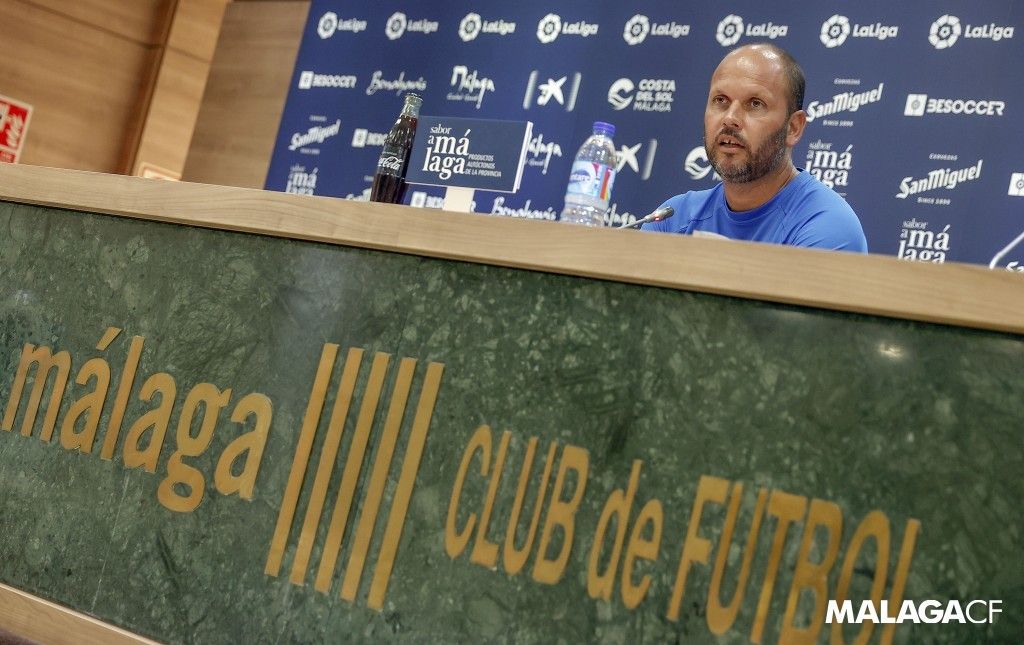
(914, 113)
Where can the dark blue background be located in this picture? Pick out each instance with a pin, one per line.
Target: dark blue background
(981, 218)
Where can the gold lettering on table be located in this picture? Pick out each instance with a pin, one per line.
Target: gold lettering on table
(813, 576)
(787, 509)
(899, 581)
(875, 525)
(358, 448)
(721, 617)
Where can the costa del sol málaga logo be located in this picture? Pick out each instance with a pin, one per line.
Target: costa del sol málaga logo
(395, 26)
(945, 31)
(470, 26)
(730, 30)
(835, 31)
(548, 28)
(636, 29)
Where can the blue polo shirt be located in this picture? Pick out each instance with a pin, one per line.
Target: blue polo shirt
(804, 213)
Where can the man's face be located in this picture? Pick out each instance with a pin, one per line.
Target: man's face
(746, 127)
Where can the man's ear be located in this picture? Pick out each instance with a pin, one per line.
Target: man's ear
(797, 123)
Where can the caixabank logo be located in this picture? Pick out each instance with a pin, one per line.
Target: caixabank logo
(557, 90)
(947, 30)
(629, 157)
(837, 29)
(732, 28)
(552, 26)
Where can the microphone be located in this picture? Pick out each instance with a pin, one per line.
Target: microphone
(656, 216)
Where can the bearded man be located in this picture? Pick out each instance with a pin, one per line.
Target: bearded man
(753, 119)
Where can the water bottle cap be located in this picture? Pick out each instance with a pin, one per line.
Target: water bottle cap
(600, 127)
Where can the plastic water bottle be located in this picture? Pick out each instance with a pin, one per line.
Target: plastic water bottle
(591, 179)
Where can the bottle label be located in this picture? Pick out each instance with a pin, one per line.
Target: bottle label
(591, 179)
(391, 161)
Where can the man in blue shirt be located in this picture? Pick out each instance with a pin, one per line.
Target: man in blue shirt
(754, 117)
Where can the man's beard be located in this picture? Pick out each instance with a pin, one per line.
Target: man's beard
(767, 158)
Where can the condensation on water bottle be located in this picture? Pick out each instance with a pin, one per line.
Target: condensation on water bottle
(590, 182)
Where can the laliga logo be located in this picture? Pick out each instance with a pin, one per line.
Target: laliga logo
(944, 32)
(548, 28)
(470, 27)
(730, 30)
(636, 29)
(395, 26)
(835, 31)
(620, 94)
(328, 23)
(1017, 184)
(947, 29)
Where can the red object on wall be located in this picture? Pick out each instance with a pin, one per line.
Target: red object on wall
(14, 118)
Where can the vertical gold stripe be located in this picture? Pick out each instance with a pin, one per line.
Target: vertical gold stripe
(410, 468)
(328, 455)
(301, 459)
(378, 480)
(350, 476)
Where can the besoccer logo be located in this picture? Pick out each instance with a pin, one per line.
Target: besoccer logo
(395, 26)
(636, 29)
(548, 28)
(470, 27)
(944, 32)
(1017, 184)
(328, 24)
(835, 31)
(915, 105)
(730, 30)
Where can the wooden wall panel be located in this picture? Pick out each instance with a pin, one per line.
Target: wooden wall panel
(84, 81)
(173, 105)
(143, 21)
(245, 93)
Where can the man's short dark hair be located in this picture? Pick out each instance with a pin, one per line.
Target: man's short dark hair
(794, 74)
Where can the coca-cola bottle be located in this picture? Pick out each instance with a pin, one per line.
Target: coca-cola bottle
(389, 180)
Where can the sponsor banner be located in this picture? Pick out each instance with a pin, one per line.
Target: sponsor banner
(15, 116)
(884, 83)
(301, 181)
(482, 154)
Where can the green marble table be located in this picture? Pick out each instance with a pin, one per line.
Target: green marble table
(222, 437)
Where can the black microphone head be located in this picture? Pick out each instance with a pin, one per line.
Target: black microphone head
(662, 213)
